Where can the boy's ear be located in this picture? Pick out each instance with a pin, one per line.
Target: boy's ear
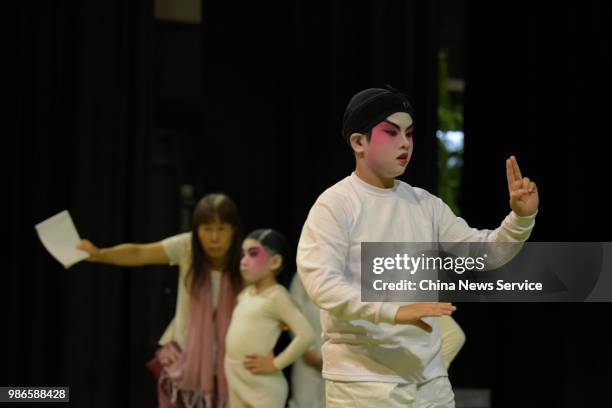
(358, 140)
(276, 262)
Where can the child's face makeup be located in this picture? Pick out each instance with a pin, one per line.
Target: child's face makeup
(255, 262)
(390, 147)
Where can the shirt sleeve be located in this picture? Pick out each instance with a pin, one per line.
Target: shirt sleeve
(177, 247)
(321, 261)
(283, 309)
(514, 230)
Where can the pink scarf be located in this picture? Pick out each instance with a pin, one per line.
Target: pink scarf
(207, 327)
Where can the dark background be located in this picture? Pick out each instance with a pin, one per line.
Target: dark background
(126, 121)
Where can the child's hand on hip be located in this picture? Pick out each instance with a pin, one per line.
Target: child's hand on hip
(258, 364)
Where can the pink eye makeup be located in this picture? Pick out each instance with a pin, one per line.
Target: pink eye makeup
(386, 127)
(384, 132)
(257, 254)
(390, 130)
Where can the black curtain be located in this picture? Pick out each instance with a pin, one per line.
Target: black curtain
(538, 87)
(275, 80)
(277, 77)
(81, 118)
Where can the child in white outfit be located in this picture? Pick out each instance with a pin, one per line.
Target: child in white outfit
(253, 373)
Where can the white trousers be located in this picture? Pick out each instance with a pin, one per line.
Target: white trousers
(436, 393)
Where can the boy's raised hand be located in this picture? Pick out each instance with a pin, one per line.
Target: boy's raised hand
(524, 198)
(414, 313)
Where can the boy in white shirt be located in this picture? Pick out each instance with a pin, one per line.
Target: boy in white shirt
(376, 353)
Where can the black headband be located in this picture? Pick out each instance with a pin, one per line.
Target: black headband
(370, 107)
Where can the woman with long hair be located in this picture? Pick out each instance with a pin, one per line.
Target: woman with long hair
(193, 346)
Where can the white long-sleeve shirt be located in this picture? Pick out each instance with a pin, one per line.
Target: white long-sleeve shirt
(362, 343)
(255, 326)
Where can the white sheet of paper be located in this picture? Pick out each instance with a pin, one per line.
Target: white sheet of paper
(59, 235)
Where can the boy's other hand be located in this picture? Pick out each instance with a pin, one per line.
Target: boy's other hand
(413, 314)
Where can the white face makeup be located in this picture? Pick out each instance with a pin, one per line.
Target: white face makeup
(390, 147)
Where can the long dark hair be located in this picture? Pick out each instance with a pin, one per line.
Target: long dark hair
(207, 210)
